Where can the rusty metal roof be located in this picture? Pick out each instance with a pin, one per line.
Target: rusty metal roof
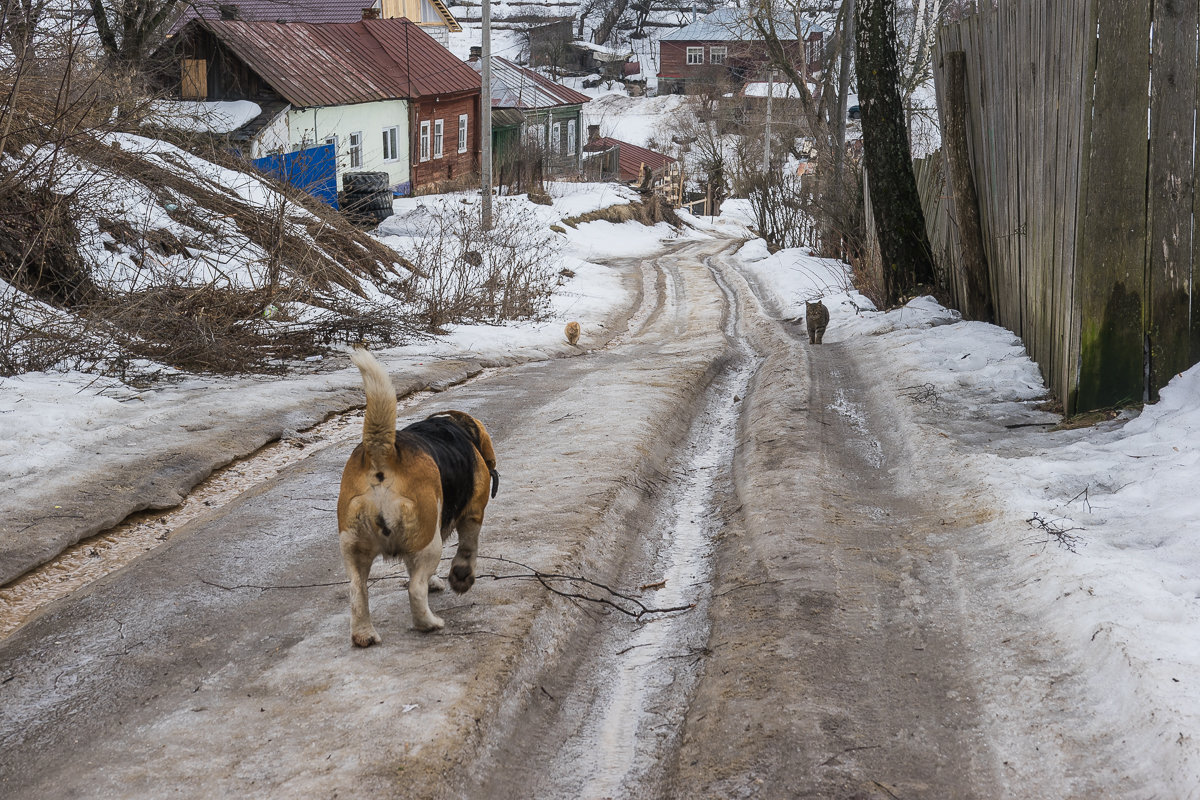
(514, 86)
(295, 11)
(330, 64)
(630, 157)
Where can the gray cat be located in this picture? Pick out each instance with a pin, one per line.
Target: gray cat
(816, 316)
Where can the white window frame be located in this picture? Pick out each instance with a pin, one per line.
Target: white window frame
(462, 133)
(695, 55)
(425, 140)
(717, 55)
(439, 139)
(355, 150)
(572, 137)
(556, 138)
(391, 143)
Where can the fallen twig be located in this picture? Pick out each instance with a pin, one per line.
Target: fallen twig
(1054, 530)
(545, 578)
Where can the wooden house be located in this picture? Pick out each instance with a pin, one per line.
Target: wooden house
(552, 115)
(433, 16)
(383, 92)
(723, 47)
(609, 159)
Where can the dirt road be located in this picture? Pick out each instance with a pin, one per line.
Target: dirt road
(840, 638)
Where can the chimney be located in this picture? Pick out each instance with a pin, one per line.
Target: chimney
(229, 11)
(370, 13)
(593, 133)
(476, 53)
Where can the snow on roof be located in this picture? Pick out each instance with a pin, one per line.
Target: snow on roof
(779, 89)
(733, 25)
(203, 116)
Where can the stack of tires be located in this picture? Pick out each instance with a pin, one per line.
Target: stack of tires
(366, 196)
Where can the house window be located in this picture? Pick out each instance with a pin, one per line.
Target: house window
(462, 133)
(437, 138)
(355, 149)
(571, 137)
(391, 143)
(556, 137)
(695, 55)
(425, 140)
(716, 55)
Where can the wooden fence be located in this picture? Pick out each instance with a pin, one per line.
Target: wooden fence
(1084, 170)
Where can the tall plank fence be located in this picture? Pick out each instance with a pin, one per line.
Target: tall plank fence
(1083, 164)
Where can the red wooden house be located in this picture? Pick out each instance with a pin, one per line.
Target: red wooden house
(724, 47)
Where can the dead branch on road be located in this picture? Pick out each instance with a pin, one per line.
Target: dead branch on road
(1055, 532)
(545, 578)
(925, 393)
(638, 610)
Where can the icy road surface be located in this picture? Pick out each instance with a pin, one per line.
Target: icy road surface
(840, 634)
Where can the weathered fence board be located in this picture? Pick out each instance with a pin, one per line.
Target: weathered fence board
(1112, 239)
(1084, 169)
(1172, 104)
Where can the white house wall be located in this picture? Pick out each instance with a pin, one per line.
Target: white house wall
(314, 125)
(273, 138)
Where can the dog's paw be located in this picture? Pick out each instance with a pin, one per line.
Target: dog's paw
(436, 584)
(365, 639)
(461, 578)
(430, 623)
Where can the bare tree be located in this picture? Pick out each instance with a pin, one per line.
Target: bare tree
(129, 30)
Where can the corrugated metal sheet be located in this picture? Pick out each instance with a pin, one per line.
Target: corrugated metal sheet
(339, 64)
(315, 11)
(276, 10)
(630, 157)
(732, 25)
(514, 86)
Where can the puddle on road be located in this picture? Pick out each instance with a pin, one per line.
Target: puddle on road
(649, 675)
(104, 553)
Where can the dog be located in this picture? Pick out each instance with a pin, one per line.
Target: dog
(400, 489)
(572, 332)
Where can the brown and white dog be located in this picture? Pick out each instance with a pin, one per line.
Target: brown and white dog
(400, 489)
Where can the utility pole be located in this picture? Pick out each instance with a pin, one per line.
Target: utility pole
(767, 135)
(485, 116)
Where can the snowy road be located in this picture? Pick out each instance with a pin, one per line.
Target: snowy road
(838, 646)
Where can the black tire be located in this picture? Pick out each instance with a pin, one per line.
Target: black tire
(381, 202)
(364, 183)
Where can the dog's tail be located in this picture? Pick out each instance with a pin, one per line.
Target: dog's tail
(379, 424)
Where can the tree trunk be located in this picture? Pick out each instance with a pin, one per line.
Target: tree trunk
(609, 21)
(962, 185)
(899, 220)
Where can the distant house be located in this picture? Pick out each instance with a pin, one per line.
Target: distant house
(606, 158)
(431, 15)
(551, 115)
(724, 46)
(553, 45)
(383, 92)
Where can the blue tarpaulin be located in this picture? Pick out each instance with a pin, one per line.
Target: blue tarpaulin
(313, 169)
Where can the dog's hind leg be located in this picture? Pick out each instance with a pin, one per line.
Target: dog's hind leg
(462, 568)
(358, 567)
(422, 569)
